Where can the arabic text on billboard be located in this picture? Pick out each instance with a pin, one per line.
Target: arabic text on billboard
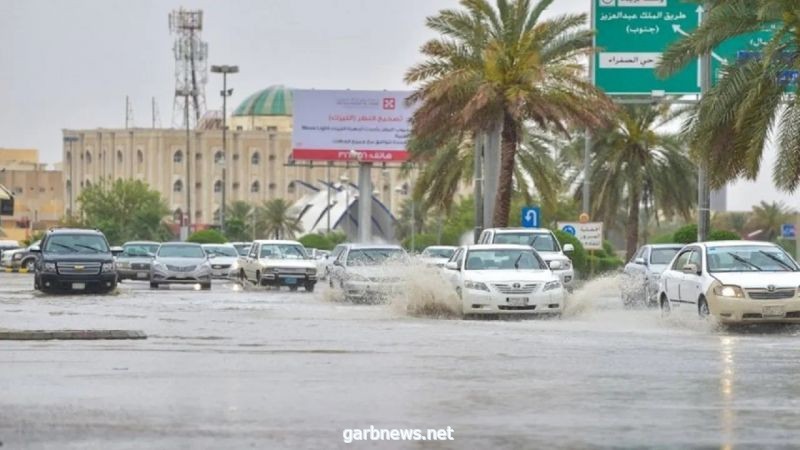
(369, 126)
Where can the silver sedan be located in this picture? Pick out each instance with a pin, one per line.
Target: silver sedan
(180, 263)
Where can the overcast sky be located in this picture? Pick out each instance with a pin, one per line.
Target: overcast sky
(70, 64)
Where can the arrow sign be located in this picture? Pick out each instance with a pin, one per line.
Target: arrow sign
(531, 217)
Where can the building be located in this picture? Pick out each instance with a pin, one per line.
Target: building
(38, 192)
(258, 160)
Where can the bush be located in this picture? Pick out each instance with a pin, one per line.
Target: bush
(723, 235)
(599, 264)
(578, 257)
(207, 237)
(421, 241)
(317, 241)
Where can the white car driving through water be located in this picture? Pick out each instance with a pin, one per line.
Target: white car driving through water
(279, 263)
(368, 273)
(505, 279)
(437, 255)
(642, 274)
(733, 281)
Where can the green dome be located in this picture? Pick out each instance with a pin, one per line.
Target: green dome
(272, 101)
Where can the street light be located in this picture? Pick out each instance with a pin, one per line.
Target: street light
(346, 184)
(69, 140)
(224, 70)
(186, 93)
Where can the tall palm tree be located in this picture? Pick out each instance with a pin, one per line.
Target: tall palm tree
(450, 166)
(238, 221)
(768, 217)
(734, 120)
(276, 219)
(502, 66)
(636, 166)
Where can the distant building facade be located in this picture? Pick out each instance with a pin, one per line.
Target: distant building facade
(258, 159)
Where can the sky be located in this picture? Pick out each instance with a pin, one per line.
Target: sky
(70, 64)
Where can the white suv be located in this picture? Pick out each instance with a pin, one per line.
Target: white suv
(543, 241)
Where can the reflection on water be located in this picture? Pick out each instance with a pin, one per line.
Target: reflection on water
(726, 387)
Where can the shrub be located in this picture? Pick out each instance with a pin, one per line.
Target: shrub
(688, 235)
(317, 241)
(578, 257)
(723, 235)
(207, 237)
(421, 241)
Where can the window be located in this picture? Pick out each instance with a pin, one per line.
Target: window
(217, 216)
(218, 157)
(69, 185)
(662, 255)
(198, 214)
(255, 159)
(375, 256)
(69, 157)
(76, 243)
(218, 186)
(272, 186)
(503, 260)
(291, 187)
(88, 157)
(272, 128)
(696, 260)
(272, 157)
(236, 186)
(543, 242)
(253, 250)
(139, 156)
(198, 156)
(682, 260)
(198, 185)
(181, 251)
(119, 156)
(235, 156)
(177, 186)
(255, 187)
(282, 251)
(177, 157)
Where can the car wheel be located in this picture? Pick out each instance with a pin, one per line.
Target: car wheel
(330, 282)
(648, 303)
(293, 288)
(242, 276)
(666, 309)
(36, 283)
(310, 287)
(702, 308)
(153, 285)
(28, 265)
(258, 278)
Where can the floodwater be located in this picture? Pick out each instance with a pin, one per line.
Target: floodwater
(251, 368)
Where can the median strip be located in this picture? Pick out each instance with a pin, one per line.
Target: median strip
(85, 335)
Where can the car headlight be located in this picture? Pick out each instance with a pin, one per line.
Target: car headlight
(235, 265)
(552, 285)
(49, 267)
(729, 291)
(108, 267)
(566, 265)
(476, 285)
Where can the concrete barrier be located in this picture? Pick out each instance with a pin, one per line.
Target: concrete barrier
(85, 335)
(19, 270)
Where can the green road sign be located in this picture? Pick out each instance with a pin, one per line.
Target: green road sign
(631, 35)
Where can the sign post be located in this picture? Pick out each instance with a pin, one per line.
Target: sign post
(531, 217)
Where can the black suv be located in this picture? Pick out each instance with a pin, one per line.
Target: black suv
(74, 260)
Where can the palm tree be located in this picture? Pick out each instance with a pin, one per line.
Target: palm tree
(238, 221)
(768, 217)
(502, 66)
(635, 165)
(733, 122)
(275, 219)
(449, 167)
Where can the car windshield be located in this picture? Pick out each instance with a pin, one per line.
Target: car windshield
(542, 242)
(243, 249)
(749, 258)
(136, 250)
(220, 250)
(76, 243)
(503, 260)
(663, 256)
(374, 256)
(282, 251)
(181, 251)
(438, 252)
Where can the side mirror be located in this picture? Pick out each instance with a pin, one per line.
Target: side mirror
(691, 269)
(36, 249)
(452, 265)
(639, 261)
(555, 265)
(569, 248)
(116, 250)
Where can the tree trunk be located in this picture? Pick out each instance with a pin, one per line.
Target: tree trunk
(632, 227)
(508, 152)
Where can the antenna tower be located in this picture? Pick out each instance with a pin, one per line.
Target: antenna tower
(191, 67)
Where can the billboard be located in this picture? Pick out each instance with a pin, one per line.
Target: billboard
(370, 126)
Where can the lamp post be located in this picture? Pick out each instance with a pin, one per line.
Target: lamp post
(69, 140)
(224, 70)
(186, 93)
(345, 183)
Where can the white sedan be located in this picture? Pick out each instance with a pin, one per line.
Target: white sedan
(505, 279)
(733, 281)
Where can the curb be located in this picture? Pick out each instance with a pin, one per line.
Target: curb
(10, 270)
(83, 335)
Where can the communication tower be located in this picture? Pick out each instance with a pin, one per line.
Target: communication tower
(191, 67)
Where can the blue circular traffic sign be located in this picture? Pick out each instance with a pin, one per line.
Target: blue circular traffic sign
(569, 229)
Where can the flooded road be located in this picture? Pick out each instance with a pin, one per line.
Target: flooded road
(247, 368)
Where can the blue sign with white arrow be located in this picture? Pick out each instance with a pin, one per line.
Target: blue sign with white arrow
(531, 217)
(788, 231)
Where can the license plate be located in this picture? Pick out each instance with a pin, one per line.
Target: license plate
(773, 311)
(291, 280)
(518, 301)
(141, 275)
(78, 286)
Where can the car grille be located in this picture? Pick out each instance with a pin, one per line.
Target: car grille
(289, 270)
(777, 294)
(78, 268)
(180, 268)
(221, 266)
(140, 266)
(515, 288)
